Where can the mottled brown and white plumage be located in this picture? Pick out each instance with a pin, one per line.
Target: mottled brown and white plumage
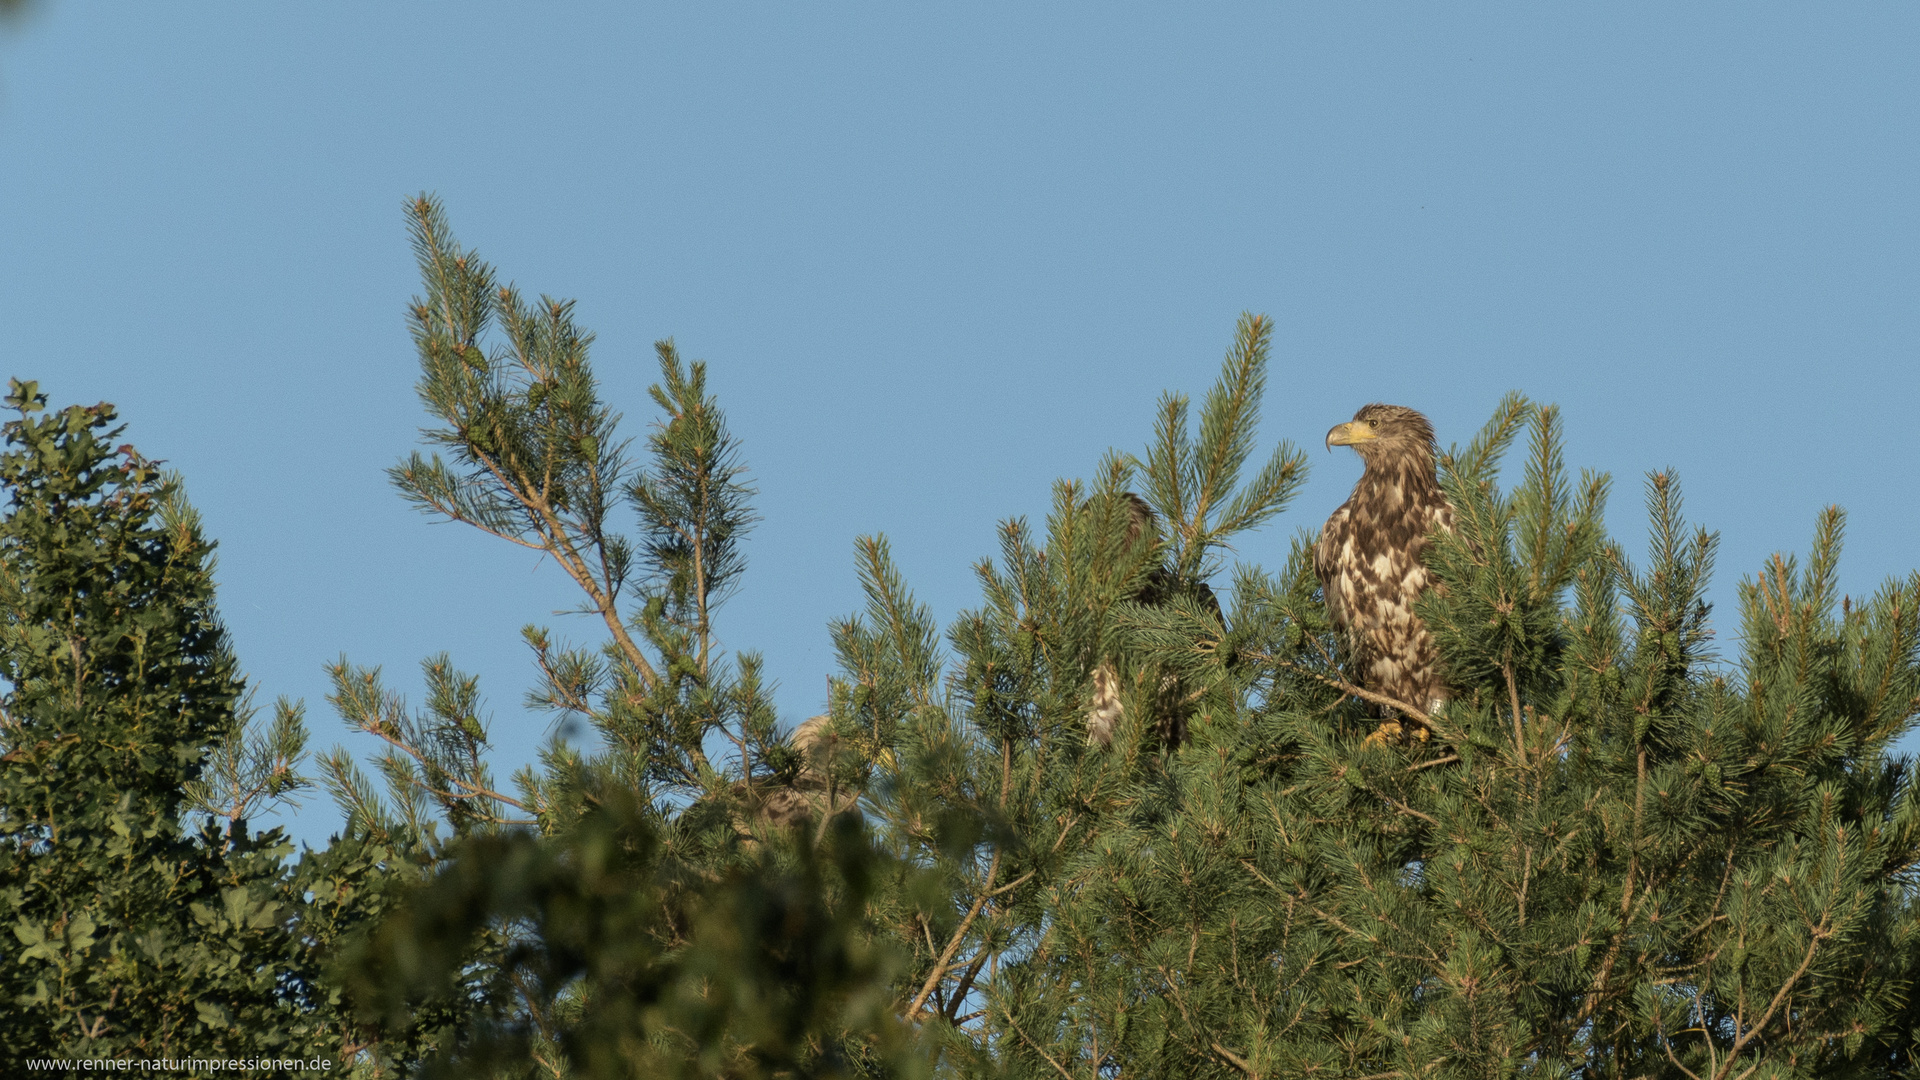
(1368, 557)
(799, 798)
(1106, 709)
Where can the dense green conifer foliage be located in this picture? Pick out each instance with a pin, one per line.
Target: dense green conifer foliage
(1621, 853)
(629, 910)
(1619, 857)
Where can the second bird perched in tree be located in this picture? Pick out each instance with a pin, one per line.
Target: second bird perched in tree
(1157, 590)
(1368, 558)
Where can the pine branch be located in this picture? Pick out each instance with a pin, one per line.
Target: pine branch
(940, 967)
(468, 790)
(1234, 1060)
(1751, 1032)
(1024, 1037)
(1348, 688)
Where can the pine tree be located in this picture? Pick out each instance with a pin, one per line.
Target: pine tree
(632, 908)
(1619, 855)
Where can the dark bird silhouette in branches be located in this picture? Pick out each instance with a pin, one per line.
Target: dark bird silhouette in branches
(1161, 586)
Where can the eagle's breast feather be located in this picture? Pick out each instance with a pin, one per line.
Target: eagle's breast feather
(1368, 558)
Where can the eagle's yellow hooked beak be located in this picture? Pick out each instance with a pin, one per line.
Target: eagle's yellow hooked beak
(1349, 433)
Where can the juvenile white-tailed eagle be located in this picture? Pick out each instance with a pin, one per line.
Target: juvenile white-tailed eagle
(1158, 590)
(1368, 557)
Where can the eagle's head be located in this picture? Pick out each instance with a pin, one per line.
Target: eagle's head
(1384, 432)
(1140, 519)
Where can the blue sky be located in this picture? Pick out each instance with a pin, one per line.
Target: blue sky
(937, 258)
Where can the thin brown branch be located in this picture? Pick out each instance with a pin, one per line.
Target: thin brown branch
(1666, 1044)
(1418, 716)
(1819, 934)
(940, 967)
(1037, 1048)
(1726, 875)
(966, 984)
(452, 513)
(570, 700)
(1234, 1060)
(559, 543)
(472, 790)
(1405, 809)
(1526, 876)
(1513, 696)
(1014, 884)
(1598, 989)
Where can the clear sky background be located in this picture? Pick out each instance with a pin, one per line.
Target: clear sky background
(938, 256)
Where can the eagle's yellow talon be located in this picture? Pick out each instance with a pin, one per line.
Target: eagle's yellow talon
(1384, 734)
